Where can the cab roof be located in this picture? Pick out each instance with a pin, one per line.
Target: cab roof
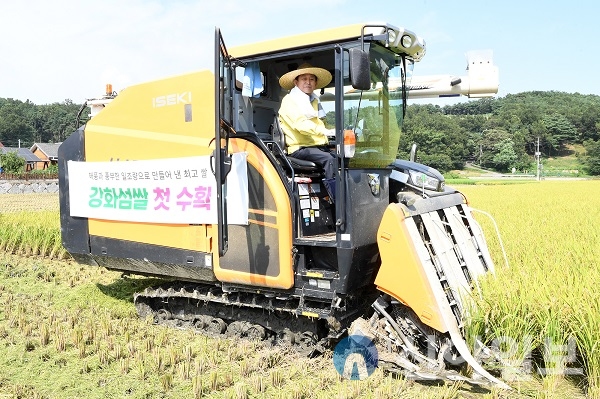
(349, 32)
(414, 47)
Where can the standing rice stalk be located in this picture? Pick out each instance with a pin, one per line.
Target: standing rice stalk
(550, 292)
(585, 326)
(44, 333)
(32, 233)
(166, 381)
(197, 386)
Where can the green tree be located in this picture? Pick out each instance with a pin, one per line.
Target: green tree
(505, 156)
(12, 163)
(56, 121)
(443, 144)
(25, 123)
(497, 150)
(592, 158)
(479, 107)
(14, 123)
(560, 129)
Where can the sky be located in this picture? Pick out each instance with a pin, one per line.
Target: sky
(57, 50)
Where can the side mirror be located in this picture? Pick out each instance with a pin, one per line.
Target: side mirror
(360, 75)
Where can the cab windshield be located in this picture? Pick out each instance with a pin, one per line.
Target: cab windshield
(376, 115)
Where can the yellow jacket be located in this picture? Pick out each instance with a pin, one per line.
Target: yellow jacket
(300, 121)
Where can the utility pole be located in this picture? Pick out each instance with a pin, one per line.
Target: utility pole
(537, 157)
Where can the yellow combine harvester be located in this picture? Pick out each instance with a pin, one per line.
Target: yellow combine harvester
(187, 178)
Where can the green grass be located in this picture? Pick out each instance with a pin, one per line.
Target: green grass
(568, 163)
(461, 181)
(486, 182)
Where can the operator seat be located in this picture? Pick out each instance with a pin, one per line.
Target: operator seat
(300, 166)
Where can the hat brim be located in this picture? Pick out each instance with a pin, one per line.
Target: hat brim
(323, 77)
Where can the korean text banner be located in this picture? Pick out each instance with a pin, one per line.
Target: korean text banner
(172, 190)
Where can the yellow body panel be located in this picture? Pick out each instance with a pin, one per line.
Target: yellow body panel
(168, 118)
(284, 43)
(168, 235)
(148, 121)
(401, 274)
(282, 223)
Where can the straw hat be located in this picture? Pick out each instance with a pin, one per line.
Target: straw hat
(323, 76)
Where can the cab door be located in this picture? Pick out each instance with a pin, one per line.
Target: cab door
(224, 86)
(261, 251)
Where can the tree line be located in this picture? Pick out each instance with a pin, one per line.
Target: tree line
(503, 133)
(25, 123)
(497, 133)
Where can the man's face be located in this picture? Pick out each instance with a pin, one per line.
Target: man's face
(306, 82)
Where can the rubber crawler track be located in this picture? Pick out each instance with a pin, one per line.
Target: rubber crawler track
(210, 310)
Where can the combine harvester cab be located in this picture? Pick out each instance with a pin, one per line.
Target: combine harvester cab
(188, 179)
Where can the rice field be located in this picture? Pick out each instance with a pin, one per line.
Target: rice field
(546, 301)
(70, 331)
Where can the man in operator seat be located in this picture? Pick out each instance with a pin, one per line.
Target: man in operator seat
(300, 116)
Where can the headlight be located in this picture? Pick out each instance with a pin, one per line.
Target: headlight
(406, 41)
(392, 35)
(417, 175)
(420, 179)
